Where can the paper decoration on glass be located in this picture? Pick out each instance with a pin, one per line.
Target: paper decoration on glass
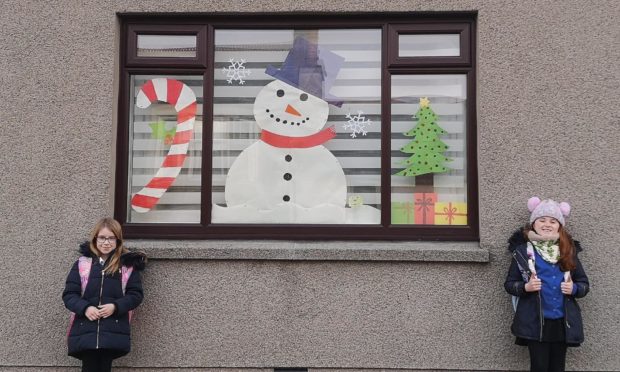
(236, 71)
(403, 213)
(357, 123)
(356, 201)
(288, 176)
(450, 213)
(426, 147)
(183, 99)
(425, 207)
(159, 131)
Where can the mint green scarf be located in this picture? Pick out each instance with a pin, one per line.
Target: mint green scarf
(549, 250)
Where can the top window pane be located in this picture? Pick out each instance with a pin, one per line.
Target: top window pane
(171, 46)
(429, 45)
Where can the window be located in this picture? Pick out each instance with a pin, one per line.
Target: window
(351, 127)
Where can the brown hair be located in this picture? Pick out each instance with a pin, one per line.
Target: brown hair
(567, 248)
(567, 251)
(114, 263)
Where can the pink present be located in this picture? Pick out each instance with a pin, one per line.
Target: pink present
(425, 207)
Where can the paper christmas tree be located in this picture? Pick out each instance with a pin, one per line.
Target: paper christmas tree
(426, 147)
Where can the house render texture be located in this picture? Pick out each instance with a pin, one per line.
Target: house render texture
(318, 185)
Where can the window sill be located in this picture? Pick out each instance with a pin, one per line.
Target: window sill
(311, 251)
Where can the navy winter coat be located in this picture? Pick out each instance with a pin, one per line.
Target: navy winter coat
(112, 333)
(528, 319)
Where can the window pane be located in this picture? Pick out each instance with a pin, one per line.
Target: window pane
(165, 143)
(277, 92)
(167, 46)
(429, 178)
(424, 45)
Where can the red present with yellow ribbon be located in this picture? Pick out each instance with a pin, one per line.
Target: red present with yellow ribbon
(450, 213)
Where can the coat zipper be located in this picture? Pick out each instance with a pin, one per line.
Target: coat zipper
(540, 315)
(100, 295)
(566, 298)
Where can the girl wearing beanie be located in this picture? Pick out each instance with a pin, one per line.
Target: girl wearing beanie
(546, 278)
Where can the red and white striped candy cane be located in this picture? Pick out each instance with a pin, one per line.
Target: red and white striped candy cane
(184, 100)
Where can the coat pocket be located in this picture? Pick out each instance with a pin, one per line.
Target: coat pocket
(118, 325)
(526, 322)
(574, 323)
(82, 326)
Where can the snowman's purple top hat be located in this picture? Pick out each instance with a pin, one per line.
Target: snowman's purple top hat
(310, 68)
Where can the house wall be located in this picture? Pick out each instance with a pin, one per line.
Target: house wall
(548, 82)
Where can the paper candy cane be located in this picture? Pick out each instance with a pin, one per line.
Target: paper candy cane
(184, 100)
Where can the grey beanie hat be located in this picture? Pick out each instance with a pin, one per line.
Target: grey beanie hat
(547, 208)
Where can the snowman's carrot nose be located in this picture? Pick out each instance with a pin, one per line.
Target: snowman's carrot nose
(291, 110)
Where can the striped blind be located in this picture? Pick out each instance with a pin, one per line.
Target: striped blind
(447, 95)
(358, 84)
(181, 202)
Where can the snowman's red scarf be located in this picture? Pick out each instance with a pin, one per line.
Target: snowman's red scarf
(316, 139)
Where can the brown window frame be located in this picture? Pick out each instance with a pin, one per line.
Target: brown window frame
(133, 30)
(203, 27)
(461, 28)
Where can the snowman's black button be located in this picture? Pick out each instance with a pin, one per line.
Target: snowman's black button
(288, 158)
(286, 198)
(287, 176)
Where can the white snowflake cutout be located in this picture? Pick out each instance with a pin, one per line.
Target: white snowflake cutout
(236, 71)
(357, 123)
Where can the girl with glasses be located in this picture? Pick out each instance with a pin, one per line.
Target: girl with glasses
(102, 289)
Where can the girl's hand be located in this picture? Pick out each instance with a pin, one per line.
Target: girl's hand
(106, 310)
(567, 287)
(92, 313)
(534, 285)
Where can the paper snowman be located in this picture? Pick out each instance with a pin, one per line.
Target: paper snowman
(288, 176)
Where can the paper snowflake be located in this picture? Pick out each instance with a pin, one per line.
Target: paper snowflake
(357, 123)
(236, 71)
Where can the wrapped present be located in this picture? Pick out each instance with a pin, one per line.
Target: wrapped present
(402, 213)
(425, 207)
(450, 213)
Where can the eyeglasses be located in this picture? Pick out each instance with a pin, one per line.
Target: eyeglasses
(103, 239)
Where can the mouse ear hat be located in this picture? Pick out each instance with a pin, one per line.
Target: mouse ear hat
(547, 208)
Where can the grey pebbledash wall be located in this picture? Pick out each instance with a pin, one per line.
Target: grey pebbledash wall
(548, 83)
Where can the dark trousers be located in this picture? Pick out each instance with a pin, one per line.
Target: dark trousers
(97, 361)
(547, 356)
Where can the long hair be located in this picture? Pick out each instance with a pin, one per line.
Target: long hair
(567, 248)
(114, 262)
(567, 251)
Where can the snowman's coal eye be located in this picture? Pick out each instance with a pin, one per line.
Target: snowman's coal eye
(280, 93)
(303, 97)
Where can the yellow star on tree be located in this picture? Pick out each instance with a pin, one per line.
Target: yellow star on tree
(424, 102)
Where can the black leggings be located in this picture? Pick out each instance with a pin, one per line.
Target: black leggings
(547, 356)
(97, 361)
